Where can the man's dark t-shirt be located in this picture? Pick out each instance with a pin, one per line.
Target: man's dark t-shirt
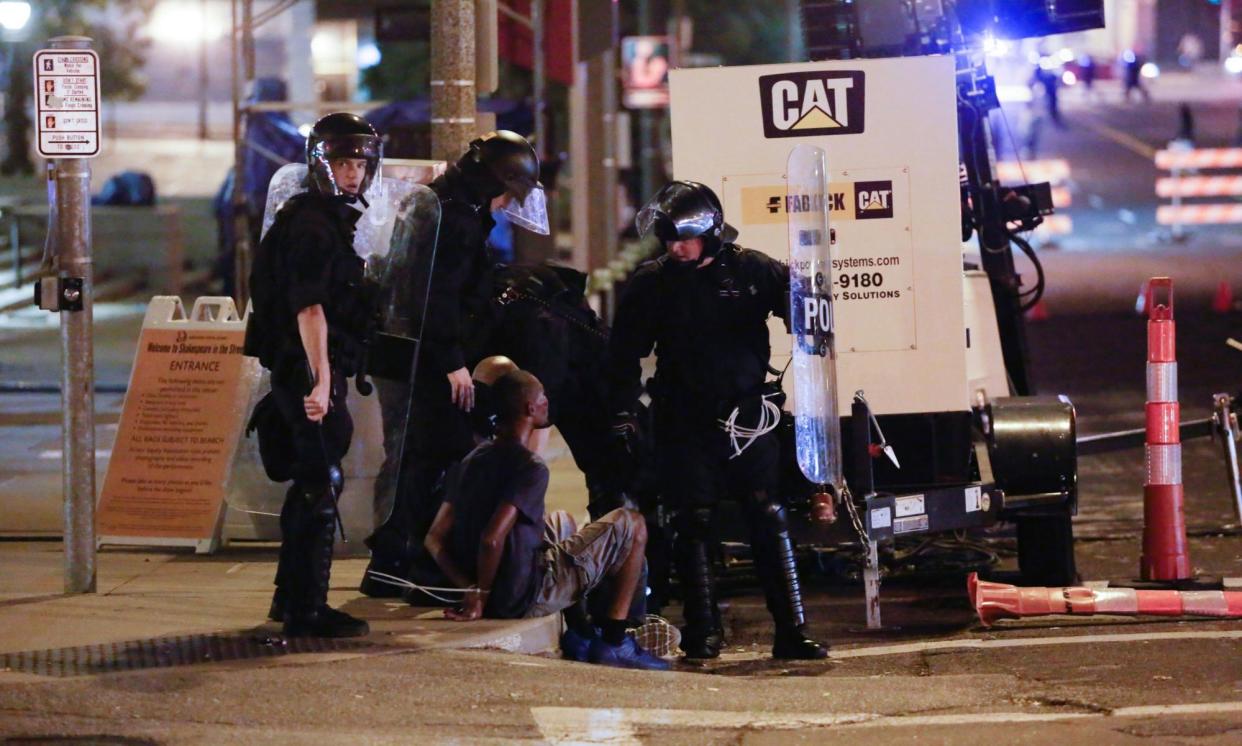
(492, 474)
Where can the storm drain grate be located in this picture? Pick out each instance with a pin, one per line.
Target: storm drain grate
(164, 652)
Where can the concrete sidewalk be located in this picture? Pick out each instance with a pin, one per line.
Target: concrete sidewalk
(160, 598)
(147, 594)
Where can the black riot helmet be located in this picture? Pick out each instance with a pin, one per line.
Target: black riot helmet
(341, 135)
(683, 210)
(499, 162)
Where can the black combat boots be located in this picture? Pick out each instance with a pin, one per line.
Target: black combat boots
(307, 613)
(778, 573)
(291, 520)
(703, 635)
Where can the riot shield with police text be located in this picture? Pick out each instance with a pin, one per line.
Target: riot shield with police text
(817, 426)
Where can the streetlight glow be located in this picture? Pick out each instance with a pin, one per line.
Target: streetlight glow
(14, 14)
(183, 22)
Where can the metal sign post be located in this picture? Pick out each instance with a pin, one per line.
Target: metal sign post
(67, 91)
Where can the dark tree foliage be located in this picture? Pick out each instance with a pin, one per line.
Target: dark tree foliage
(741, 33)
(749, 33)
(403, 72)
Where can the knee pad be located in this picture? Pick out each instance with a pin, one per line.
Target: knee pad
(769, 513)
(320, 501)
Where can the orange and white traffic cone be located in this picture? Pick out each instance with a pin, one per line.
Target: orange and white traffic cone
(993, 601)
(1165, 556)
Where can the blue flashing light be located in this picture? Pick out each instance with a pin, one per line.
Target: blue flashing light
(368, 56)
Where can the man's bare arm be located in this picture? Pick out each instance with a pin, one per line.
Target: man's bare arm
(491, 549)
(437, 546)
(313, 329)
(492, 544)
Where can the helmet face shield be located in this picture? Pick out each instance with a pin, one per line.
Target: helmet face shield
(680, 211)
(520, 187)
(321, 154)
(530, 213)
(509, 161)
(339, 136)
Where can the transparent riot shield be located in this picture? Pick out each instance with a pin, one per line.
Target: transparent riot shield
(403, 277)
(374, 229)
(817, 426)
(390, 262)
(289, 179)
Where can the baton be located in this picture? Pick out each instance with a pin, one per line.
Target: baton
(323, 451)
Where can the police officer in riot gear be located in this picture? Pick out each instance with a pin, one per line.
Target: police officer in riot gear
(311, 312)
(499, 171)
(703, 306)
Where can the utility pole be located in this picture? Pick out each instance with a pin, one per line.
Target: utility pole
(539, 78)
(242, 54)
(648, 152)
(72, 183)
(452, 78)
(202, 71)
(1226, 29)
(592, 136)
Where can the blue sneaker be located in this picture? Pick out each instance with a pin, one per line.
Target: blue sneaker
(575, 647)
(626, 655)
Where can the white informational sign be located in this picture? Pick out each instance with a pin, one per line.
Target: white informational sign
(67, 103)
(889, 129)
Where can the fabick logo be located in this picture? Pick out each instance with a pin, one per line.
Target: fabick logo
(812, 104)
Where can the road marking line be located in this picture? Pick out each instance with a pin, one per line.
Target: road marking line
(1022, 642)
(1202, 708)
(585, 725)
(1013, 642)
(1127, 141)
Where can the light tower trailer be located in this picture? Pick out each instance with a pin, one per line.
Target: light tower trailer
(916, 334)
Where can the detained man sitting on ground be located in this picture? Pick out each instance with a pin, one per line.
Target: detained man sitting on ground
(483, 416)
(492, 536)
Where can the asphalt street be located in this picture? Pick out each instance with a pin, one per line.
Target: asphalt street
(932, 674)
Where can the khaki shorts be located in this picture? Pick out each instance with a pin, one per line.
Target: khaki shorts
(577, 561)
